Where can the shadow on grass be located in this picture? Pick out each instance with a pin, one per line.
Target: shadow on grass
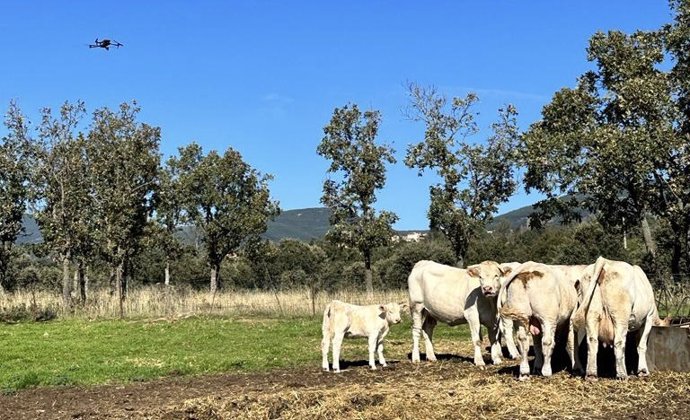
(444, 357)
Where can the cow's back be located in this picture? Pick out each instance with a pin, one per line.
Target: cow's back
(441, 289)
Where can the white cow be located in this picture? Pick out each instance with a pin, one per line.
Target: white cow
(540, 300)
(342, 319)
(617, 298)
(571, 273)
(452, 295)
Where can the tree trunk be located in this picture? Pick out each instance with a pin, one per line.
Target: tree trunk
(66, 282)
(687, 249)
(460, 261)
(112, 281)
(647, 235)
(81, 278)
(675, 259)
(167, 273)
(368, 283)
(215, 277)
(119, 284)
(312, 292)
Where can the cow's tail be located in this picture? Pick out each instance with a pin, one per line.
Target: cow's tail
(580, 314)
(326, 323)
(503, 308)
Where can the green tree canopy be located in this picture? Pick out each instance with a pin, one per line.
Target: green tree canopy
(619, 138)
(475, 177)
(17, 157)
(359, 164)
(227, 199)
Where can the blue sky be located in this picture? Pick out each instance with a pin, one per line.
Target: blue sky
(265, 76)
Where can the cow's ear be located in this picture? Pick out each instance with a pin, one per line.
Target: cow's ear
(473, 271)
(578, 283)
(382, 308)
(404, 306)
(505, 271)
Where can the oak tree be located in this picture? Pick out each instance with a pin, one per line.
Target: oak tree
(359, 166)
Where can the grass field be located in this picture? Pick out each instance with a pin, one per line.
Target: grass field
(80, 352)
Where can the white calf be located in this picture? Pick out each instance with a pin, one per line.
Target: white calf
(342, 319)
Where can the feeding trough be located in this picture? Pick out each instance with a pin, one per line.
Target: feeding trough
(668, 347)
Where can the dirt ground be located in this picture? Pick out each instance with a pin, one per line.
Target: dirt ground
(450, 388)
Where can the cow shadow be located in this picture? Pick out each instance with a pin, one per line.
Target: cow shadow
(347, 364)
(606, 361)
(445, 357)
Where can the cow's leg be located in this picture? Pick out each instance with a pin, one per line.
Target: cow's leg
(325, 344)
(373, 342)
(428, 333)
(642, 369)
(495, 340)
(508, 336)
(572, 347)
(337, 342)
(523, 346)
(472, 317)
(416, 312)
(547, 344)
(592, 347)
(620, 333)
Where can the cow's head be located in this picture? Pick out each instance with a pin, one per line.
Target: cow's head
(391, 312)
(491, 276)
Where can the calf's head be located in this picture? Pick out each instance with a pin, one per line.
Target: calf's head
(391, 312)
(491, 276)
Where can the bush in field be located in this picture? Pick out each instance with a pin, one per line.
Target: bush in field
(393, 271)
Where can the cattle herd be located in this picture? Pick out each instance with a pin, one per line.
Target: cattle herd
(601, 302)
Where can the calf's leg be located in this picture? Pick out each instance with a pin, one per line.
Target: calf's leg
(373, 342)
(337, 342)
(325, 345)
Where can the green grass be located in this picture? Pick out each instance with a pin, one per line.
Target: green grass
(79, 352)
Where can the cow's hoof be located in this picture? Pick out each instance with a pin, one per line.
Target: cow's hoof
(431, 358)
(497, 362)
(384, 365)
(523, 377)
(336, 370)
(643, 373)
(622, 377)
(591, 378)
(325, 369)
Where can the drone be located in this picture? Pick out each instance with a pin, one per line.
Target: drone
(105, 43)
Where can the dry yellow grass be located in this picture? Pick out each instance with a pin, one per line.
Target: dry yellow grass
(442, 390)
(154, 302)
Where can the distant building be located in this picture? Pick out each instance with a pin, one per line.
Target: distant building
(409, 237)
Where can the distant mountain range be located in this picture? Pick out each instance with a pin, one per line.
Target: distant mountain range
(303, 224)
